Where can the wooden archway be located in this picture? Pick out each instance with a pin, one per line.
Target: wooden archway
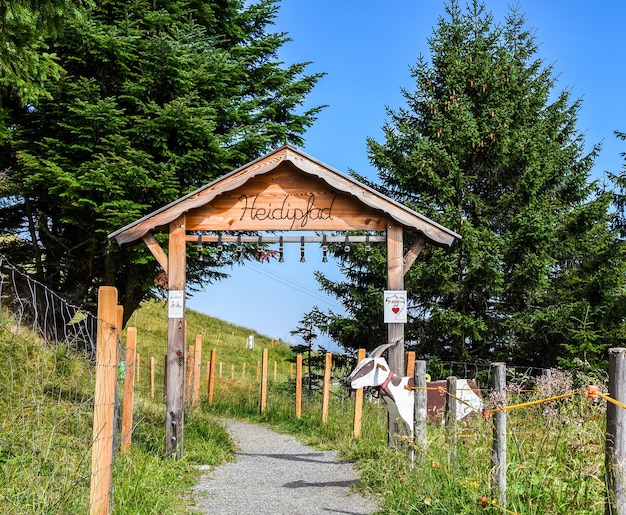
(285, 190)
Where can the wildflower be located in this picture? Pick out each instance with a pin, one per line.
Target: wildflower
(436, 465)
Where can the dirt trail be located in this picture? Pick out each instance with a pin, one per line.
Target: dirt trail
(274, 474)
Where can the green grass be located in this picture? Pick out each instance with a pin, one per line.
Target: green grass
(555, 459)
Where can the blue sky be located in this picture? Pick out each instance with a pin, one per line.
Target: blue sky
(366, 48)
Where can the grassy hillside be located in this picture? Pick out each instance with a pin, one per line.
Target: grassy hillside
(555, 450)
(46, 397)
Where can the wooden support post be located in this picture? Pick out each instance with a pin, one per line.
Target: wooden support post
(137, 367)
(104, 403)
(498, 454)
(152, 366)
(615, 457)
(129, 380)
(421, 405)
(327, 384)
(243, 371)
(197, 371)
(299, 386)
(212, 375)
(175, 404)
(358, 402)
(264, 382)
(395, 331)
(451, 411)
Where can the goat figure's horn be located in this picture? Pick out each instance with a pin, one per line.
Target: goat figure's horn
(378, 351)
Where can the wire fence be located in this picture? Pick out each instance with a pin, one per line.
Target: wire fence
(47, 385)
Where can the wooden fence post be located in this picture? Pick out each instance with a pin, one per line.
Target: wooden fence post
(299, 386)
(190, 366)
(264, 382)
(212, 375)
(358, 402)
(421, 404)
(197, 359)
(326, 390)
(410, 364)
(129, 380)
(104, 403)
(152, 365)
(615, 457)
(451, 410)
(498, 454)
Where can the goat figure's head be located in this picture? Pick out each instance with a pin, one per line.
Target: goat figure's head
(372, 370)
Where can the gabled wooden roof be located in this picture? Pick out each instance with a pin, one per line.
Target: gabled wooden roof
(285, 190)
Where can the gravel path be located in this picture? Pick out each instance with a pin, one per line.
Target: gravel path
(274, 474)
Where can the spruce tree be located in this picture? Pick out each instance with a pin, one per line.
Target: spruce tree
(155, 100)
(487, 147)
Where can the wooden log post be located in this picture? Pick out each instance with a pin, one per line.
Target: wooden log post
(211, 381)
(498, 454)
(129, 380)
(104, 403)
(358, 402)
(421, 405)
(264, 382)
(615, 457)
(299, 386)
(326, 389)
(175, 403)
(395, 331)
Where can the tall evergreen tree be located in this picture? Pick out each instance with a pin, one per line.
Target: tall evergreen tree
(156, 99)
(486, 147)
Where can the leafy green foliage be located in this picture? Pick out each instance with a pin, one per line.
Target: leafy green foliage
(155, 100)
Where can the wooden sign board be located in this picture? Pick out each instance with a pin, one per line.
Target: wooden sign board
(285, 200)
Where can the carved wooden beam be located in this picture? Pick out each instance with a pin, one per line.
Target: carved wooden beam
(412, 254)
(158, 253)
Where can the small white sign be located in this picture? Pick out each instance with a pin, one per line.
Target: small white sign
(395, 306)
(176, 304)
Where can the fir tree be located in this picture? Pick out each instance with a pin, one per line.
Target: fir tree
(156, 99)
(486, 147)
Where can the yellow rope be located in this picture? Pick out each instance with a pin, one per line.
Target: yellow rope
(534, 403)
(611, 399)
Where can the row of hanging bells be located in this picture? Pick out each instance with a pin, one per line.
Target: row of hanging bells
(281, 249)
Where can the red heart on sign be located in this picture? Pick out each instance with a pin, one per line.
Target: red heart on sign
(395, 310)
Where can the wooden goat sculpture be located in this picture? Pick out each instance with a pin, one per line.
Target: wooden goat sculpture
(375, 372)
